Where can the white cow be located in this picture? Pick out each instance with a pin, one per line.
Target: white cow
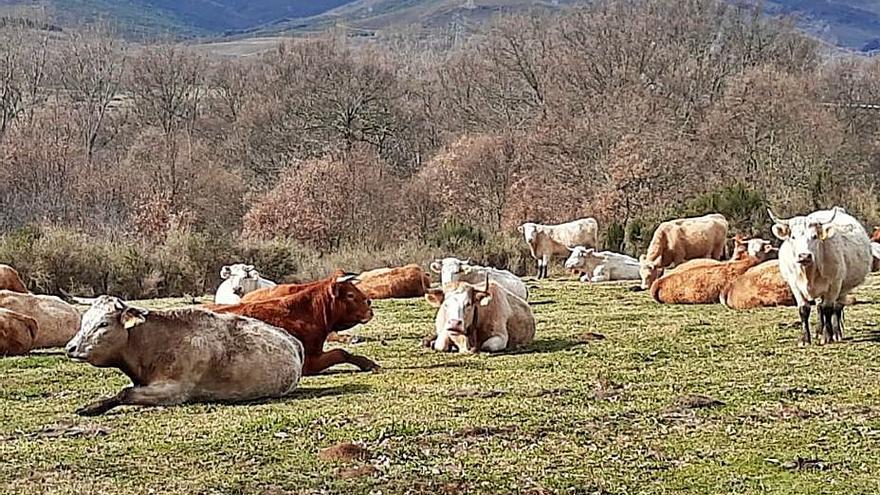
(824, 256)
(239, 279)
(456, 270)
(546, 241)
(602, 266)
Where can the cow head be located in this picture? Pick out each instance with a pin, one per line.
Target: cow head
(348, 304)
(529, 230)
(451, 268)
(649, 271)
(456, 305)
(243, 278)
(805, 235)
(755, 248)
(103, 333)
(583, 258)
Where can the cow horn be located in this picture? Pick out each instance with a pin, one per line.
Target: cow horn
(486, 285)
(833, 214)
(776, 219)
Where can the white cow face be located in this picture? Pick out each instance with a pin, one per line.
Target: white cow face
(756, 248)
(582, 258)
(456, 306)
(451, 269)
(243, 278)
(103, 333)
(805, 235)
(529, 231)
(649, 271)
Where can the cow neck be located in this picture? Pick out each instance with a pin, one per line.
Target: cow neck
(129, 362)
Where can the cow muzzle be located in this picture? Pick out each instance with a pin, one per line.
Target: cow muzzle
(455, 326)
(805, 259)
(238, 291)
(74, 352)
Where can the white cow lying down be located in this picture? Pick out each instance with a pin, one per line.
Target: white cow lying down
(239, 279)
(456, 270)
(602, 266)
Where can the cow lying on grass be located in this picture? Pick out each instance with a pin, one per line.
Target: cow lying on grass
(401, 282)
(185, 355)
(760, 286)
(602, 266)
(10, 280)
(57, 321)
(480, 318)
(457, 270)
(238, 280)
(17, 333)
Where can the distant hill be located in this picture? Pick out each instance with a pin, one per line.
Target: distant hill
(849, 23)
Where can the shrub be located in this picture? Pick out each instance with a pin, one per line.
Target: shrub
(744, 208)
(454, 236)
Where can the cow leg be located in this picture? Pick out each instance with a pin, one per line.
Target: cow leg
(837, 329)
(442, 343)
(804, 312)
(826, 315)
(157, 394)
(315, 365)
(495, 343)
(546, 260)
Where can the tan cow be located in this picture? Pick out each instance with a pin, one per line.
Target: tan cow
(547, 241)
(10, 280)
(677, 241)
(394, 283)
(699, 284)
(185, 355)
(17, 333)
(480, 318)
(57, 321)
(760, 286)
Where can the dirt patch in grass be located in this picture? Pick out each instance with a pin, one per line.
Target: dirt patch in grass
(345, 452)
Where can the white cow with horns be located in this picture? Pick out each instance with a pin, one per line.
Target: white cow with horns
(452, 269)
(239, 279)
(546, 241)
(824, 256)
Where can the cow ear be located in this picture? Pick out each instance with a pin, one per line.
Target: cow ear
(642, 258)
(826, 232)
(782, 232)
(253, 273)
(435, 297)
(225, 272)
(521, 229)
(466, 269)
(436, 266)
(132, 317)
(768, 248)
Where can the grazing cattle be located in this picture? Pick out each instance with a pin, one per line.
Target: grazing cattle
(824, 256)
(331, 305)
(546, 241)
(185, 355)
(760, 286)
(602, 266)
(480, 318)
(456, 270)
(875, 254)
(239, 279)
(17, 333)
(677, 241)
(757, 248)
(699, 284)
(56, 320)
(10, 280)
(394, 283)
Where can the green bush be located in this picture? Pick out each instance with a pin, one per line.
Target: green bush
(744, 208)
(615, 238)
(454, 236)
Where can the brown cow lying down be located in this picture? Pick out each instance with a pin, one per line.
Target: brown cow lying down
(57, 321)
(185, 355)
(9, 280)
(331, 305)
(394, 283)
(17, 333)
(698, 284)
(284, 290)
(480, 318)
(760, 286)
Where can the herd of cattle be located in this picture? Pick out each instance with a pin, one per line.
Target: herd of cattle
(258, 338)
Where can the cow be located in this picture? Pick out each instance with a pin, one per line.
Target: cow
(699, 284)
(10, 280)
(56, 320)
(824, 256)
(239, 279)
(602, 266)
(453, 269)
(310, 315)
(394, 283)
(760, 286)
(757, 247)
(284, 290)
(185, 355)
(480, 318)
(546, 241)
(677, 241)
(17, 333)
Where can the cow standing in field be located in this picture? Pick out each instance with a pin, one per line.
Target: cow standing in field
(310, 315)
(602, 266)
(823, 257)
(238, 280)
(457, 270)
(185, 355)
(394, 283)
(10, 280)
(480, 318)
(17, 333)
(760, 286)
(547, 241)
(56, 320)
(677, 241)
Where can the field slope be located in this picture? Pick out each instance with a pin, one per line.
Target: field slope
(672, 400)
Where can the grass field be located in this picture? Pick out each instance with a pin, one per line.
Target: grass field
(674, 399)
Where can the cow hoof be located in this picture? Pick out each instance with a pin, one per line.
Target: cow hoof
(90, 410)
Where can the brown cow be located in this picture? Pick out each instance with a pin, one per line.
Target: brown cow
(677, 241)
(331, 305)
(284, 290)
(57, 321)
(185, 355)
(394, 283)
(17, 333)
(699, 284)
(9, 280)
(760, 286)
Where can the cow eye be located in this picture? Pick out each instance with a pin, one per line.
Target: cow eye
(350, 296)
(103, 324)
